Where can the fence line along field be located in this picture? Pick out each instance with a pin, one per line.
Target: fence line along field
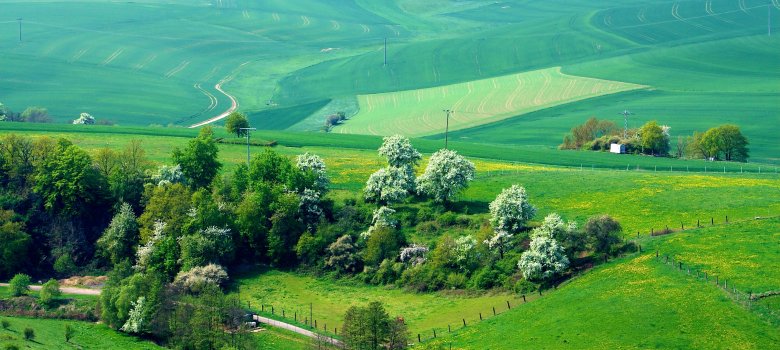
(634, 303)
(419, 112)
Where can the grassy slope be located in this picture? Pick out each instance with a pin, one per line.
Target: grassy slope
(49, 334)
(418, 112)
(741, 253)
(634, 303)
(422, 312)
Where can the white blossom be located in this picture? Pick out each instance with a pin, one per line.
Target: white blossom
(144, 253)
(309, 206)
(511, 210)
(464, 247)
(500, 240)
(544, 259)
(414, 254)
(554, 227)
(388, 185)
(85, 119)
(447, 174)
(383, 217)
(168, 175)
(135, 318)
(399, 152)
(315, 164)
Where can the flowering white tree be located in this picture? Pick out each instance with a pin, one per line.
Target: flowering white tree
(511, 210)
(314, 164)
(383, 217)
(168, 174)
(387, 185)
(447, 174)
(145, 252)
(499, 241)
(414, 254)
(198, 277)
(399, 152)
(342, 255)
(464, 249)
(309, 207)
(120, 237)
(544, 259)
(85, 118)
(135, 320)
(554, 227)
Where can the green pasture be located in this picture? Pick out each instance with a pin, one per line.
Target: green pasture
(419, 112)
(50, 334)
(743, 253)
(330, 299)
(632, 303)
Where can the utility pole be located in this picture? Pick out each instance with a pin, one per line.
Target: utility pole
(625, 114)
(385, 52)
(447, 127)
(246, 131)
(769, 20)
(20, 28)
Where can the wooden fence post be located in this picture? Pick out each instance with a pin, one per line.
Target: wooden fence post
(727, 219)
(524, 299)
(480, 316)
(434, 333)
(494, 310)
(464, 322)
(712, 221)
(509, 306)
(418, 338)
(272, 309)
(449, 328)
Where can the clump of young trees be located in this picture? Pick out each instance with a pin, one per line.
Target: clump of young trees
(725, 142)
(599, 135)
(371, 328)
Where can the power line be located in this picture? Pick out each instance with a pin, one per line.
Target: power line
(447, 127)
(247, 131)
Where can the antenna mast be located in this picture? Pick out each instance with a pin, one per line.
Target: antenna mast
(447, 127)
(625, 114)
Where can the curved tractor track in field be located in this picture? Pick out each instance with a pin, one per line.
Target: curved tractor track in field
(233, 101)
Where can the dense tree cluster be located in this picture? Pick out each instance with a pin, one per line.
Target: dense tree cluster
(725, 142)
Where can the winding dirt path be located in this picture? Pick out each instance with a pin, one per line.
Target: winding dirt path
(66, 290)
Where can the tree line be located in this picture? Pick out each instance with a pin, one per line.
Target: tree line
(724, 142)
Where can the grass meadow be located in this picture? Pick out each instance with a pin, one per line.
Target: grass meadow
(50, 334)
(632, 303)
(419, 112)
(283, 60)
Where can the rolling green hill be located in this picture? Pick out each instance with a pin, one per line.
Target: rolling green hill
(168, 62)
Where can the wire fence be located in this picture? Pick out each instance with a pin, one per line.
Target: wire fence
(747, 299)
(761, 170)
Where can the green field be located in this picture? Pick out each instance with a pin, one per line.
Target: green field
(634, 303)
(418, 112)
(330, 299)
(741, 253)
(706, 62)
(50, 334)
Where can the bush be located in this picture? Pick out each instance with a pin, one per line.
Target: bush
(49, 292)
(5, 324)
(525, 286)
(11, 347)
(485, 278)
(428, 227)
(456, 280)
(196, 279)
(64, 265)
(423, 278)
(69, 333)
(29, 334)
(447, 219)
(20, 284)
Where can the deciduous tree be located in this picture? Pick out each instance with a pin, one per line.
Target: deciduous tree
(543, 260)
(198, 160)
(511, 210)
(446, 175)
(234, 122)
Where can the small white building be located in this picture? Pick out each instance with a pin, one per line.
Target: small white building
(617, 148)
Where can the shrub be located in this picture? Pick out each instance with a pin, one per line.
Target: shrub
(5, 324)
(456, 280)
(428, 227)
(64, 265)
(196, 279)
(69, 333)
(20, 284)
(485, 278)
(525, 286)
(423, 278)
(11, 347)
(29, 334)
(49, 292)
(447, 219)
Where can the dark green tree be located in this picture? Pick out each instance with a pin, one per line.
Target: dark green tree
(234, 122)
(603, 232)
(169, 204)
(198, 160)
(20, 284)
(121, 237)
(285, 230)
(384, 242)
(654, 140)
(15, 244)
